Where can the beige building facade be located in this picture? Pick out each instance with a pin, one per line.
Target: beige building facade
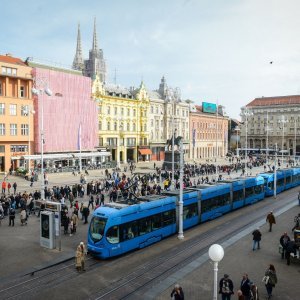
(16, 112)
(272, 121)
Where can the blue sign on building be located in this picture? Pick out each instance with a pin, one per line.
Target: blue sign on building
(209, 107)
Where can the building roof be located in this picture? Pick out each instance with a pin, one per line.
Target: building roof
(11, 60)
(117, 89)
(278, 100)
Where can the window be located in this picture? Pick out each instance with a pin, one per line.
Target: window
(97, 228)
(134, 127)
(2, 149)
(129, 231)
(108, 110)
(128, 111)
(145, 127)
(156, 109)
(128, 127)
(2, 109)
(22, 91)
(168, 218)
(2, 129)
(9, 71)
(24, 129)
(258, 189)
(116, 110)
(115, 126)
(238, 195)
(122, 111)
(131, 141)
(13, 109)
(144, 226)
(156, 222)
(215, 202)
(13, 129)
(151, 123)
(1, 91)
(152, 110)
(108, 125)
(249, 192)
(19, 148)
(100, 125)
(190, 211)
(112, 235)
(134, 112)
(24, 110)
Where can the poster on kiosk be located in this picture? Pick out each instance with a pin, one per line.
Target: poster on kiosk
(47, 237)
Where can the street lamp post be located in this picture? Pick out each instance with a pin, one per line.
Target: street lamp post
(216, 254)
(247, 113)
(29, 111)
(295, 140)
(282, 121)
(37, 92)
(237, 129)
(180, 231)
(275, 173)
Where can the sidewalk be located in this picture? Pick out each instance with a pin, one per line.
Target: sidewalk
(197, 278)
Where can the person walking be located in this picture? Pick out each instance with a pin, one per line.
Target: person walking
(290, 248)
(23, 217)
(253, 291)
(256, 238)
(12, 214)
(271, 220)
(245, 286)
(284, 239)
(85, 214)
(226, 287)
(15, 187)
(272, 280)
(177, 293)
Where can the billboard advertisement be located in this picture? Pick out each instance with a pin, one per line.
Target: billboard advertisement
(209, 107)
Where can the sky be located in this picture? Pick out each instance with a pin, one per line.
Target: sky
(216, 51)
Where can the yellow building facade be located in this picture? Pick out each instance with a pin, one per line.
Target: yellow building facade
(123, 121)
(16, 111)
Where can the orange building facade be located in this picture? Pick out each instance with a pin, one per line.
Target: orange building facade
(16, 111)
(209, 134)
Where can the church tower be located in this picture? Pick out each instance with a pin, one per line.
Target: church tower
(78, 60)
(95, 65)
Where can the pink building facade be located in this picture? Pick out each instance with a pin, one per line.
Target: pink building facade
(68, 108)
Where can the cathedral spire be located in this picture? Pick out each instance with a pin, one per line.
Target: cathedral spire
(95, 43)
(78, 60)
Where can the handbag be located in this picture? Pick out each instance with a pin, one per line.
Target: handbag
(266, 279)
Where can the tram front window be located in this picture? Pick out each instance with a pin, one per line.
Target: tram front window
(97, 228)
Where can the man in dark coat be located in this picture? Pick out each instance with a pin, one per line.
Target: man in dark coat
(245, 286)
(284, 239)
(256, 239)
(290, 248)
(226, 287)
(85, 214)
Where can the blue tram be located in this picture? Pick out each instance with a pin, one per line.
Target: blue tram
(119, 227)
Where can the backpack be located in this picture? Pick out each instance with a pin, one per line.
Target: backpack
(225, 287)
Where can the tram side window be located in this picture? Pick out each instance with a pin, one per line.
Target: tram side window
(144, 226)
(112, 235)
(215, 202)
(238, 195)
(129, 230)
(280, 182)
(156, 222)
(168, 218)
(271, 185)
(288, 180)
(258, 189)
(249, 191)
(190, 211)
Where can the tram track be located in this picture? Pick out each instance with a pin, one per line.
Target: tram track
(50, 277)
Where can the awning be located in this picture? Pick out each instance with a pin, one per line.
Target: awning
(145, 151)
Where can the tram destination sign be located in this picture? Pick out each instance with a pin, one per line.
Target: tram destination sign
(209, 107)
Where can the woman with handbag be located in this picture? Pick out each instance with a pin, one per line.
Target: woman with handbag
(270, 280)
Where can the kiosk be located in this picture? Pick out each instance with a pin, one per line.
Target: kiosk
(47, 238)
